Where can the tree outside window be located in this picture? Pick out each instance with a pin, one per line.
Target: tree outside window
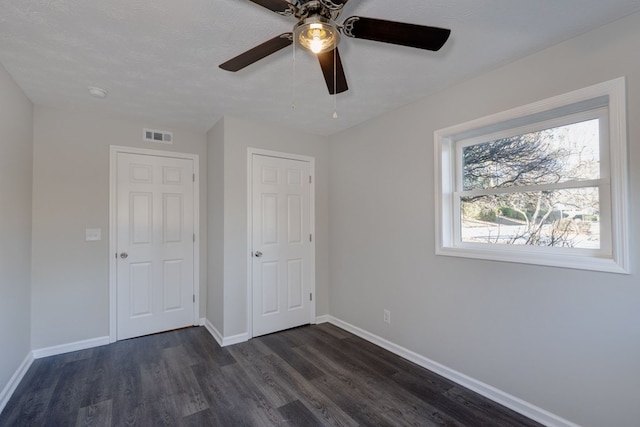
(560, 157)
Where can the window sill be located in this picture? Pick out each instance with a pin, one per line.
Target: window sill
(580, 262)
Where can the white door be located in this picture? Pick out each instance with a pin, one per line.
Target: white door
(155, 244)
(281, 244)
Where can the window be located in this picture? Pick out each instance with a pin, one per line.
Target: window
(541, 184)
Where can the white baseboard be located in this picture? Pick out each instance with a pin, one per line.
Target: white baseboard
(17, 376)
(213, 331)
(235, 339)
(73, 346)
(222, 340)
(203, 320)
(527, 409)
(323, 319)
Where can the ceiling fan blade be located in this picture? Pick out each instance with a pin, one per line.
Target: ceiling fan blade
(380, 30)
(327, 63)
(282, 7)
(257, 53)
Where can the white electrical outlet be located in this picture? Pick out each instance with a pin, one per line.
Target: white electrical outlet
(387, 316)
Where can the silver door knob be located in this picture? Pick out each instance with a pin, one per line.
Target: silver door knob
(124, 255)
(257, 254)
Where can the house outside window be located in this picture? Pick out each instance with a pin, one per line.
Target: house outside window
(541, 184)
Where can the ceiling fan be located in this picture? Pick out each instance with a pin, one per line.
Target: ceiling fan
(318, 32)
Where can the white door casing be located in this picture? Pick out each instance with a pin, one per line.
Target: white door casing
(281, 243)
(154, 221)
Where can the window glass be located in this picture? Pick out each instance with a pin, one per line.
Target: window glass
(554, 160)
(559, 154)
(563, 218)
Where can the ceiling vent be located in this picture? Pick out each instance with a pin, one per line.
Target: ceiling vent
(160, 136)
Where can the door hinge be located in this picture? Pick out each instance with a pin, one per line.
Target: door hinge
(194, 177)
(311, 237)
(309, 179)
(194, 298)
(116, 255)
(311, 297)
(194, 237)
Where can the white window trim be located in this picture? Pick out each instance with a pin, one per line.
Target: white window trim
(447, 243)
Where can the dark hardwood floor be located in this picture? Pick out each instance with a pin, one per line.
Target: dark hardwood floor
(309, 376)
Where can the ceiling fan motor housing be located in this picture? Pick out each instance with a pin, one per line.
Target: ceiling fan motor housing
(321, 8)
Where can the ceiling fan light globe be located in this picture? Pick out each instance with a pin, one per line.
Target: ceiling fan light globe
(317, 35)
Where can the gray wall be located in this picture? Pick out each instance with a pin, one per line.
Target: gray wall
(565, 340)
(70, 285)
(215, 225)
(16, 144)
(238, 136)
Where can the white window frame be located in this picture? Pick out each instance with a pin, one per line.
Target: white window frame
(605, 101)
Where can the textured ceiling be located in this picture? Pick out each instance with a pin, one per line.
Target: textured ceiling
(159, 59)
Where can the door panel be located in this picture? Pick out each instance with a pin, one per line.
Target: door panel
(270, 289)
(141, 207)
(281, 247)
(295, 284)
(155, 226)
(141, 289)
(295, 217)
(173, 209)
(172, 285)
(269, 219)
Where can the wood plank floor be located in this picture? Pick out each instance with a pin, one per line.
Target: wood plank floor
(309, 376)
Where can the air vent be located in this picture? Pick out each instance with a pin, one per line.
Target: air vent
(157, 136)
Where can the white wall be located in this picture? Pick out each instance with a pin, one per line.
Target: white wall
(565, 340)
(239, 135)
(16, 148)
(70, 286)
